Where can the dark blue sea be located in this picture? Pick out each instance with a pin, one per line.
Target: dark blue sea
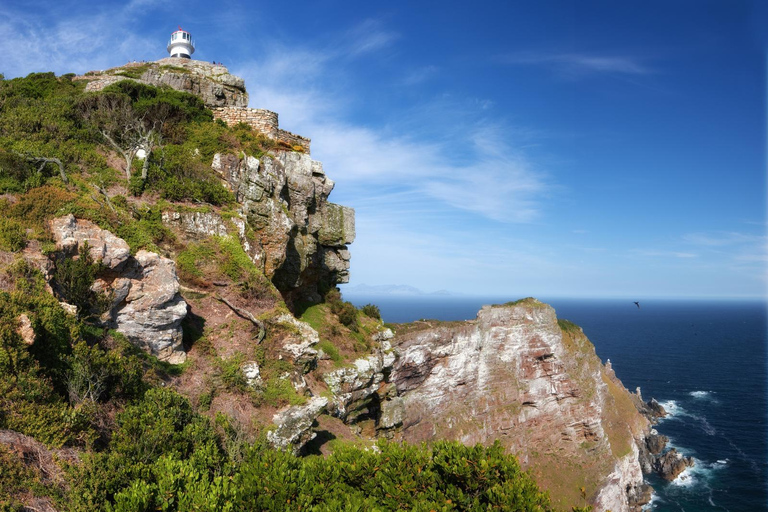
(705, 361)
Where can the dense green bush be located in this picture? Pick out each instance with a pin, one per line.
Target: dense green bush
(446, 476)
(74, 277)
(372, 311)
(13, 237)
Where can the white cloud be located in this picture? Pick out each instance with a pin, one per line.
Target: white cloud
(576, 65)
(476, 168)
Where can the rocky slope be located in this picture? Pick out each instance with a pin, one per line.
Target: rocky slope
(516, 375)
(211, 82)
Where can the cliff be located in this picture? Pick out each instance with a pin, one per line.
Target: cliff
(517, 375)
(225, 256)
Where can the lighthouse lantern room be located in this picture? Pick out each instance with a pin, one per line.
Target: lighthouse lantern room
(181, 44)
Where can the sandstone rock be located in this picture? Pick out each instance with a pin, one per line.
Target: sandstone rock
(25, 329)
(356, 388)
(196, 224)
(392, 413)
(153, 309)
(146, 305)
(70, 309)
(299, 348)
(210, 82)
(338, 228)
(70, 233)
(300, 237)
(294, 425)
(514, 376)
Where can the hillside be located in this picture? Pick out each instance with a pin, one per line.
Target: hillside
(172, 334)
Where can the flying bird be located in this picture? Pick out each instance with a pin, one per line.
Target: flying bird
(637, 304)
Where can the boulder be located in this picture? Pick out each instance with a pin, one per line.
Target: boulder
(294, 425)
(151, 313)
(70, 233)
(25, 329)
(146, 305)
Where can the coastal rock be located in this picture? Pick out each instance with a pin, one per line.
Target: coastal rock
(146, 305)
(300, 238)
(517, 375)
(294, 425)
(70, 233)
(210, 82)
(671, 464)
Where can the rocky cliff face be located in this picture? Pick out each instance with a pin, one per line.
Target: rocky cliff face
(299, 238)
(516, 375)
(211, 82)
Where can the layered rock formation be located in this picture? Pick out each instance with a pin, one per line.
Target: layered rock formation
(300, 239)
(211, 82)
(515, 374)
(145, 302)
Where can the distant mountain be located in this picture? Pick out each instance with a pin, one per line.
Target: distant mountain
(390, 289)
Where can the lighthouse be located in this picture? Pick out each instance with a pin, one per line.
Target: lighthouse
(181, 44)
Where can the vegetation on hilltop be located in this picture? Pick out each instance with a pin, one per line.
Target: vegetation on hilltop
(144, 435)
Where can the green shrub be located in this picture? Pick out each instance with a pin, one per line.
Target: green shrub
(74, 277)
(39, 205)
(162, 423)
(13, 237)
(347, 313)
(372, 311)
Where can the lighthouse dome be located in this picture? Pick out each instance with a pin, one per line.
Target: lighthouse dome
(181, 44)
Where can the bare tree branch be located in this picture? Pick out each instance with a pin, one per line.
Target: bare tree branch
(43, 161)
(247, 315)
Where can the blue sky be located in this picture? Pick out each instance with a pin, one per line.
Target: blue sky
(571, 148)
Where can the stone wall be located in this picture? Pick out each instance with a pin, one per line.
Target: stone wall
(262, 120)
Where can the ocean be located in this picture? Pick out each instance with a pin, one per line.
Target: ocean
(704, 361)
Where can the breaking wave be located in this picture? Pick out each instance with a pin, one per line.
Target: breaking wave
(676, 412)
(704, 395)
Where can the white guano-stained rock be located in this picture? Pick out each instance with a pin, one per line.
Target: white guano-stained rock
(514, 375)
(294, 425)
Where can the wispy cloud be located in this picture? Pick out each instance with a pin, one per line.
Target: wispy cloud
(80, 39)
(576, 65)
(724, 239)
(479, 168)
(368, 37)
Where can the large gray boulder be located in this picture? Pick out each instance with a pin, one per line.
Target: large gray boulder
(145, 305)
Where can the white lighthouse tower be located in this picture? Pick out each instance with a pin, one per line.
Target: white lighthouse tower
(181, 44)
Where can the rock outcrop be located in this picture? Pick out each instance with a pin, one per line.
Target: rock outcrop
(145, 302)
(653, 457)
(362, 391)
(518, 376)
(294, 425)
(300, 239)
(211, 82)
